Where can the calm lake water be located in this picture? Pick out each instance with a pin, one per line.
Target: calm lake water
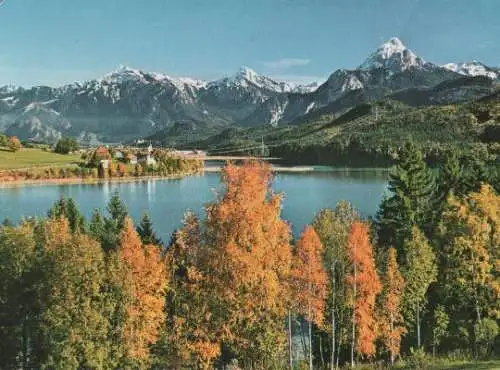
(167, 200)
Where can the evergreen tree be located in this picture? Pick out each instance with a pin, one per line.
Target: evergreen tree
(97, 225)
(113, 225)
(146, 231)
(475, 174)
(449, 181)
(68, 209)
(411, 202)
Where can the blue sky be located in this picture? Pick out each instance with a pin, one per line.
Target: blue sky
(60, 41)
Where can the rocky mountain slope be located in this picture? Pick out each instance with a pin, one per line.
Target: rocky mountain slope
(128, 103)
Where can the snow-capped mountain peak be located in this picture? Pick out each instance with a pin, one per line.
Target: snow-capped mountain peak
(246, 77)
(126, 74)
(394, 56)
(123, 74)
(9, 89)
(248, 74)
(474, 68)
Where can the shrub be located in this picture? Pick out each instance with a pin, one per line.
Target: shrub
(66, 145)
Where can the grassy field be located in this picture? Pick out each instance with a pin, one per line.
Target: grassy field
(28, 158)
(461, 365)
(481, 365)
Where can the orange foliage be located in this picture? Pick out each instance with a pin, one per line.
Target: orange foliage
(147, 276)
(393, 290)
(191, 336)
(309, 277)
(249, 252)
(14, 143)
(367, 285)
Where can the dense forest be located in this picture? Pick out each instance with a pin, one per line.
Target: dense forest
(233, 288)
(370, 134)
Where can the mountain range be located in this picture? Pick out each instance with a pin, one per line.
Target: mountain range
(128, 104)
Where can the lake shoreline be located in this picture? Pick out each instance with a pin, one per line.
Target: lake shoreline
(214, 169)
(91, 181)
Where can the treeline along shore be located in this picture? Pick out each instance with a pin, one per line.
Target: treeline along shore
(416, 286)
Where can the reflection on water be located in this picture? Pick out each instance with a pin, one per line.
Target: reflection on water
(167, 200)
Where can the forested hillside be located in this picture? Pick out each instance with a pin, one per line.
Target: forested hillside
(372, 133)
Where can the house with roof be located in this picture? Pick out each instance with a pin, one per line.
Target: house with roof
(131, 158)
(102, 153)
(146, 159)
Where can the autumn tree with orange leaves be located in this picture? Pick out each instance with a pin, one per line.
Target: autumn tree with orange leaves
(309, 281)
(365, 286)
(248, 263)
(392, 327)
(145, 313)
(189, 336)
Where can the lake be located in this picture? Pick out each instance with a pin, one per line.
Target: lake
(167, 200)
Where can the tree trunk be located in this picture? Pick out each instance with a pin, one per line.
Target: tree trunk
(353, 316)
(392, 352)
(310, 336)
(332, 364)
(303, 339)
(418, 325)
(434, 344)
(321, 351)
(338, 352)
(290, 356)
(25, 361)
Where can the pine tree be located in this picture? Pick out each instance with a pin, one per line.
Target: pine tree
(113, 225)
(146, 231)
(97, 226)
(411, 204)
(419, 271)
(392, 323)
(449, 181)
(117, 210)
(309, 280)
(365, 286)
(68, 209)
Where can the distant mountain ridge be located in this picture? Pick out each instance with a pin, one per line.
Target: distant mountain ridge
(128, 103)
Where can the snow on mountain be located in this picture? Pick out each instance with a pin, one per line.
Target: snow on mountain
(394, 56)
(126, 74)
(9, 89)
(129, 103)
(473, 68)
(304, 89)
(246, 77)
